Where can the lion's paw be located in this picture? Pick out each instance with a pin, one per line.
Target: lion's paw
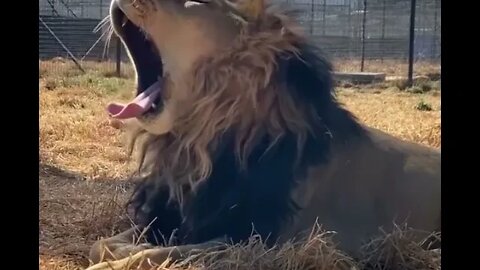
(123, 264)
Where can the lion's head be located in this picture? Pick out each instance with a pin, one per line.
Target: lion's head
(168, 40)
(216, 77)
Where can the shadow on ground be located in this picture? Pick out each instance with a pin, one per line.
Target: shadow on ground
(75, 212)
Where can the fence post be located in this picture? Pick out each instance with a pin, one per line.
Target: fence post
(364, 23)
(435, 29)
(118, 57)
(324, 25)
(411, 42)
(351, 34)
(312, 16)
(384, 8)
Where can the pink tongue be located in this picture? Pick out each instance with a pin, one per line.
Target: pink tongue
(137, 106)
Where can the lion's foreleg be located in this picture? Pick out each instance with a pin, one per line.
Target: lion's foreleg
(149, 258)
(118, 246)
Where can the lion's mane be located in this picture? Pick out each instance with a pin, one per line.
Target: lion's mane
(258, 115)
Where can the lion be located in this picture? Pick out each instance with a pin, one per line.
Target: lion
(239, 132)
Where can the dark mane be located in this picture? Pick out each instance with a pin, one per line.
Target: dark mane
(236, 201)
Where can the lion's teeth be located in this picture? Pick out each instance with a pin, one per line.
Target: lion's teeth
(191, 4)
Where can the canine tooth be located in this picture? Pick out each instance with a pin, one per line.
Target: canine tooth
(191, 4)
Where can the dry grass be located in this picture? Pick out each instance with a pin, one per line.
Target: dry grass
(65, 67)
(84, 167)
(387, 66)
(316, 251)
(395, 112)
(398, 250)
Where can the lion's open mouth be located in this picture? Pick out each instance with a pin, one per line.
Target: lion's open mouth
(148, 66)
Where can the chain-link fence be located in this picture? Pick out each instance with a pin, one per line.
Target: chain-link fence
(359, 35)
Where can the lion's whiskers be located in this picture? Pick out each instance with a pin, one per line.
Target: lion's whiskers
(105, 34)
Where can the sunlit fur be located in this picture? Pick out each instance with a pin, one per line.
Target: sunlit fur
(261, 145)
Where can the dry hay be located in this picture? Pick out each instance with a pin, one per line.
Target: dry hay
(397, 250)
(394, 251)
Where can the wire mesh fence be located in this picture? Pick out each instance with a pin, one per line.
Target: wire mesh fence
(358, 35)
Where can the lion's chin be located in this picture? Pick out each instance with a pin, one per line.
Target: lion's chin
(148, 102)
(160, 123)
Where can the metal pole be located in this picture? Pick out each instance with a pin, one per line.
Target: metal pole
(435, 29)
(323, 17)
(63, 45)
(362, 64)
(312, 14)
(119, 57)
(52, 7)
(383, 28)
(412, 42)
(351, 35)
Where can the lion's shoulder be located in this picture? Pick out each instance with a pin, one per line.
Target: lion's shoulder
(389, 142)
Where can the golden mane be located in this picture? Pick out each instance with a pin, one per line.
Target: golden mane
(237, 89)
